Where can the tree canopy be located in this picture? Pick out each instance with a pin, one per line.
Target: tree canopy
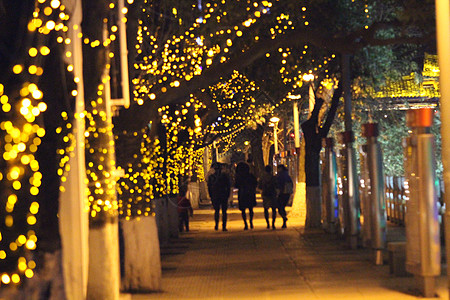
(183, 48)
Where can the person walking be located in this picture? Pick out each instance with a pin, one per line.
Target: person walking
(184, 209)
(285, 189)
(268, 186)
(219, 186)
(246, 184)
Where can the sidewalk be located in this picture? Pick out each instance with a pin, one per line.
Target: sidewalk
(272, 264)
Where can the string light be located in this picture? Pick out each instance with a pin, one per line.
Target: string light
(20, 137)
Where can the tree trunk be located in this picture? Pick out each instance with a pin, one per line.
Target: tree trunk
(142, 257)
(299, 200)
(312, 165)
(257, 151)
(313, 134)
(266, 143)
(103, 275)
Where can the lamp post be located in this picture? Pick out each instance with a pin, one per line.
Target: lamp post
(296, 119)
(275, 121)
(309, 78)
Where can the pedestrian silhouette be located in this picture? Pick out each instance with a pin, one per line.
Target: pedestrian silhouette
(184, 208)
(285, 189)
(219, 186)
(246, 184)
(268, 186)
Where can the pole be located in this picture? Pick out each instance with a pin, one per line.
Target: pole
(443, 47)
(124, 56)
(296, 125)
(275, 137)
(352, 188)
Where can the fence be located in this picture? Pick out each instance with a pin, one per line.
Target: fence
(397, 194)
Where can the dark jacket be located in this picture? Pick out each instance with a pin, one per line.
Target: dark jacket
(184, 205)
(268, 185)
(246, 183)
(283, 178)
(219, 186)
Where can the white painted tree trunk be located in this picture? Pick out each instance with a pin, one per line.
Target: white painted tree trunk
(194, 194)
(141, 255)
(47, 283)
(162, 220)
(313, 207)
(104, 274)
(299, 202)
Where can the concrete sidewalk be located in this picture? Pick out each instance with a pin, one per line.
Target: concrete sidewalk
(272, 264)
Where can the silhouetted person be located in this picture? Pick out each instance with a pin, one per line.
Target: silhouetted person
(246, 183)
(219, 186)
(184, 208)
(285, 189)
(268, 186)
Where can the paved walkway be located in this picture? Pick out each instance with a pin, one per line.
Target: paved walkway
(272, 264)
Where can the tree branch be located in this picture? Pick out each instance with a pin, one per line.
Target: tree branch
(138, 116)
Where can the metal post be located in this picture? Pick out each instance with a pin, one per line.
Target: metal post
(423, 256)
(350, 190)
(364, 188)
(375, 212)
(329, 186)
(443, 47)
(124, 74)
(296, 125)
(275, 137)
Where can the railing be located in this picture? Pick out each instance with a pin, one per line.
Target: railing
(397, 194)
(396, 197)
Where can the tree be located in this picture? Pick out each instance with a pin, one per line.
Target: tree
(182, 50)
(272, 43)
(314, 133)
(35, 91)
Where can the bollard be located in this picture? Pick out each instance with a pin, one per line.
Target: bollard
(422, 228)
(388, 183)
(340, 193)
(350, 191)
(329, 187)
(374, 201)
(364, 195)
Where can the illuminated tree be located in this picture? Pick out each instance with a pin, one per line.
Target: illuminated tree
(35, 98)
(186, 55)
(184, 49)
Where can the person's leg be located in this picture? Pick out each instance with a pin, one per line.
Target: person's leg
(180, 223)
(244, 218)
(274, 216)
(285, 199)
(216, 216)
(250, 210)
(186, 221)
(224, 215)
(266, 216)
(282, 209)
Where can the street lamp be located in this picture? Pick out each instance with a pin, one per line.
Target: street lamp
(296, 119)
(275, 121)
(309, 78)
